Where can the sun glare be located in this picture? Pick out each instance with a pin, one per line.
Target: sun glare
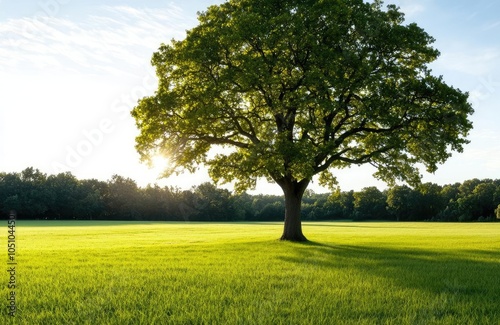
(158, 164)
(151, 173)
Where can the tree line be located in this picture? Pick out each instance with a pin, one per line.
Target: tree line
(36, 195)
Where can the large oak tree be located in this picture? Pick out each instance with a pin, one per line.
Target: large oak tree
(291, 89)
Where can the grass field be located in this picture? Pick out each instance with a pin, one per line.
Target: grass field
(238, 273)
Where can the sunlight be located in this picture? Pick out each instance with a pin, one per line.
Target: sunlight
(151, 173)
(158, 165)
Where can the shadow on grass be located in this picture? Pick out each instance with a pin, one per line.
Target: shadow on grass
(471, 274)
(377, 224)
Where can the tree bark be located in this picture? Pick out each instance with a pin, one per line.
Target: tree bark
(293, 191)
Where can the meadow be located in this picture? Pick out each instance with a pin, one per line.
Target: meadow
(97, 272)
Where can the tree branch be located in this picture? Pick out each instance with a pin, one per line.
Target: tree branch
(216, 140)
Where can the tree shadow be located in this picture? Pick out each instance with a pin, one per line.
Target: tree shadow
(377, 224)
(470, 273)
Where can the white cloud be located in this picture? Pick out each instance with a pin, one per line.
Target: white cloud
(115, 39)
(473, 62)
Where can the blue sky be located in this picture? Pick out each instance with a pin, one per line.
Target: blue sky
(70, 71)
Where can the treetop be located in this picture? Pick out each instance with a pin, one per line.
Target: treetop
(291, 89)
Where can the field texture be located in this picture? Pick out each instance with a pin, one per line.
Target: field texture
(238, 273)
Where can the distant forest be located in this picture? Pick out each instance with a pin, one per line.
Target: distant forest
(35, 195)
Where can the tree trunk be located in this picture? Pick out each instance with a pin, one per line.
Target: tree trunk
(293, 191)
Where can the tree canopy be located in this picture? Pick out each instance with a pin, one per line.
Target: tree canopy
(291, 89)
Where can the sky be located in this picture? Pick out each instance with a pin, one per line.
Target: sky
(71, 71)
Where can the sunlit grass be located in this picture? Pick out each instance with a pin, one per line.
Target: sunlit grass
(238, 273)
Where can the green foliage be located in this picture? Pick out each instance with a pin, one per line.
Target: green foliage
(214, 203)
(26, 192)
(62, 196)
(122, 198)
(292, 89)
(403, 203)
(430, 201)
(370, 204)
(96, 272)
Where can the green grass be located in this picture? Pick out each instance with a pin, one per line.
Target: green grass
(238, 273)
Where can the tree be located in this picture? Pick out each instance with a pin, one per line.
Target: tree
(342, 204)
(478, 201)
(370, 203)
(243, 202)
(403, 203)
(290, 89)
(215, 204)
(484, 194)
(10, 188)
(123, 198)
(90, 204)
(63, 188)
(431, 201)
(450, 193)
(157, 203)
(26, 192)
